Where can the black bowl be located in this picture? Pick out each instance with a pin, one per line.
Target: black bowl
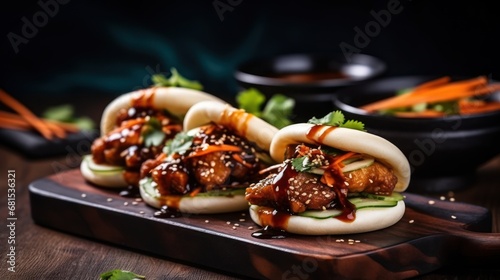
(444, 153)
(311, 79)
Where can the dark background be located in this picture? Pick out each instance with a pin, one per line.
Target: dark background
(111, 47)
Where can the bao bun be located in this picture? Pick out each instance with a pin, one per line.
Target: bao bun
(175, 100)
(348, 140)
(242, 123)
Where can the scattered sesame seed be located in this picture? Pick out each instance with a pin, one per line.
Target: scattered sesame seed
(84, 195)
(141, 212)
(431, 202)
(228, 223)
(207, 221)
(411, 221)
(442, 197)
(138, 199)
(236, 225)
(453, 217)
(242, 220)
(452, 199)
(250, 227)
(346, 183)
(125, 203)
(109, 199)
(371, 181)
(134, 203)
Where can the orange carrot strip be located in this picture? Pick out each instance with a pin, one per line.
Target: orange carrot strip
(195, 191)
(55, 125)
(26, 114)
(339, 159)
(432, 83)
(215, 148)
(423, 114)
(239, 159)
(448, 92)
(15, 123)
(486, 107)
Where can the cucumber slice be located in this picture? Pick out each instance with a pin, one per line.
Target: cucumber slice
(321, 214)
(150, 188)
(360, 202)
(395, 196)
(101, 168)
(365, 162)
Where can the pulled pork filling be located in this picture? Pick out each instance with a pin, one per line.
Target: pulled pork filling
(217, 159)
(295, 192)
(125, 145)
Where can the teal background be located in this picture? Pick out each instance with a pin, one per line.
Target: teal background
(111, 47)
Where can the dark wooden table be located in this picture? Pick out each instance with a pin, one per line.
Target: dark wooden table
(43, 253)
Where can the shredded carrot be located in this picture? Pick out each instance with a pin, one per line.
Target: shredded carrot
(239, 159)
(438, 93)
(422, 114)
(432, 83)
(215, 148)
(469, 107)
(341, 158)
(31, 118)
(195, 191)
(58, 128)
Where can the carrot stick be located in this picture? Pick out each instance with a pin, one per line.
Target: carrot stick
(433, 83)
(15, 123)
(339, 159)
(448, 92)
(55, 125)
(484, 108)
(26, 114)
(423, 114)
(215, 148)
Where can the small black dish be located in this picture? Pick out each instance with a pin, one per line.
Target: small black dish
(444, 153)
(32, 145)
(311, 79)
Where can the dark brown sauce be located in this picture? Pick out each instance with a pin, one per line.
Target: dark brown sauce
(268, 232)
(144, 98)
(311, 77)
(313, 132)
(167, 212)
(232, 119)
(130, 192)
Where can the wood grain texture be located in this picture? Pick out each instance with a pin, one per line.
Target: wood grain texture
(428, 236)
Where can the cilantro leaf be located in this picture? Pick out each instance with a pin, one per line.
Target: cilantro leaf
(337, 118)
(179, 144)
(118, 274)
(301, 164)
(277, 110)
(152, 133)
(65, 113)
(175, 80)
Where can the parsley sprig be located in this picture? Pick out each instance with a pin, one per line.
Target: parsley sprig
(276, 111)
(175, 80)
(179, 144)
(337, 118)
(118, 274)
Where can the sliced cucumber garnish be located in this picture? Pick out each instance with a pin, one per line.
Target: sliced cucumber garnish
(101, 168)
(321, 214)
(360, 201)
(150, 187)
(355, 165)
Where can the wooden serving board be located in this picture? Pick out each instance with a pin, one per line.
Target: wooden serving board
(427, 237)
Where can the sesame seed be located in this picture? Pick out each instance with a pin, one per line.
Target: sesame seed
(84, 195)
(242, 220)
(207, 221)
(109, 199)
(228, 222)
(125, 203)
(346, 183)
(453, 217)
(138, 199)
(141, 212)
(431, 202)
(411, 221)
(250, 227)
(442, 198)
(134, 203)
(452, 199)
(277, 189)
(371, 181)
(236, 225)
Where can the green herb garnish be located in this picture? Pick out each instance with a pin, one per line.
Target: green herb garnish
(337, 118)
(65, 113)
(179, 144)
(118, 274)
(152, 133)
(175, 80)
(277, 110)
